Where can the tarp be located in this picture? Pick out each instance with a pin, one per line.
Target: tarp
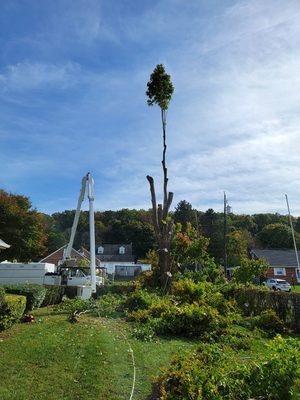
(3, 245)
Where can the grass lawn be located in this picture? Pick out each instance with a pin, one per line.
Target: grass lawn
(296, 288)
(54, 359)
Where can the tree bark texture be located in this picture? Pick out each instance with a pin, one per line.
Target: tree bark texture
(162, 227)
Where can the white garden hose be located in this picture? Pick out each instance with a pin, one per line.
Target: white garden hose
(133, 365)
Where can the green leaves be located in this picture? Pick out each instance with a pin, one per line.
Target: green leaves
(159, 88)
(215, 373)
(249, 270)
(22, 227)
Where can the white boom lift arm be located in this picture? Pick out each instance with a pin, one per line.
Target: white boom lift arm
(87, 180)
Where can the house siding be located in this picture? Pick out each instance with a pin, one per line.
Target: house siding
(290, 274)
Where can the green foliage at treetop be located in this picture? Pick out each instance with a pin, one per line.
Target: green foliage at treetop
(277, 235)
(22, 227)
(159, 88)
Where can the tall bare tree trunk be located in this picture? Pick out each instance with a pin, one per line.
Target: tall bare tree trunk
(162, 226)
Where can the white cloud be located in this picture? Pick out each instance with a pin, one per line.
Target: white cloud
(27, 75)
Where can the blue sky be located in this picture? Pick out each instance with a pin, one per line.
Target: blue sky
(72, 99)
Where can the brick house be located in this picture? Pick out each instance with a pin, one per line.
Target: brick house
(283, 263)
(58, 255)
(81, 254)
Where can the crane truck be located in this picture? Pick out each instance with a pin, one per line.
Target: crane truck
(67, 264)
(68, 273)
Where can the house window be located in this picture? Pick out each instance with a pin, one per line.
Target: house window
(100, 250)
(122, 250)
(279, 271)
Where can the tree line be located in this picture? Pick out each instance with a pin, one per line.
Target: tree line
(33, 234)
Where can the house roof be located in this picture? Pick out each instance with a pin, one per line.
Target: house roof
(87, 255)
(4, 245)
(58, 254)
(277, 258)
(113, 249)
(111, 252)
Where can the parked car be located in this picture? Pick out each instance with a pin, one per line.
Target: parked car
(278, 284)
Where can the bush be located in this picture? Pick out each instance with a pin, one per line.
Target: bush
(2, 294)
(110, 304)
(77, 306)
(117, 288)
(149, 279)
(192, 320)
(254, 301)
(192, 310)
(54, 295)
(214, 373)
(145, 333)
(187, 291)
(155, 310)
(237, 340)
(35, 294)
(12, 308)
(189, 320)
(209, 272)
(139, 300)
(249, 270)
(270, 322)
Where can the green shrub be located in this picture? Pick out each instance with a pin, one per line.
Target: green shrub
(237, 340)
(149, 279)
(155, 310)
(76, 306)
(254, 301)
(118, 288)
(12, 308)
(249, 270)
(145, 332)
(215, 373)
(187, 291)
(192, 320)
(2, 294)
(270, 322)
(35, 294)
(209, 272)
(139, 300)
(110, 305)
(192, 310)
(54, 295)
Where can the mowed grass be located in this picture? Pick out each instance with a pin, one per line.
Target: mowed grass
(54, 359)
(296, 288)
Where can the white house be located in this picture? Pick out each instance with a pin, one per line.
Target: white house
(119, 261)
